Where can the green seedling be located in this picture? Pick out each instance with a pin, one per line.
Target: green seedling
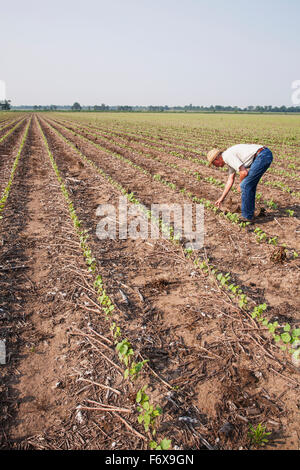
(288, 336)
(134, 369)
(273, 241)
(188, 252)
(125, 351)
(271, 204)
(165, 444)
(204, 267)
(98, 283)
(106, 303)
(116, 331)
(223, 279)
(272, 327)
(258, 435)
(244, 224)
(148, 413)
(290, 212)
(243, 301)
(234, 218)
(258, 311)
(235, 289)
(260, 234)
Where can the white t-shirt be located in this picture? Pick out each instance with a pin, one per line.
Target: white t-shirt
(241, 154)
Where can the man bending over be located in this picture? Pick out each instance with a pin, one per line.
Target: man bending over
(251, 161)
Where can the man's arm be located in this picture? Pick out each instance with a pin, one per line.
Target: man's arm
(227, 188)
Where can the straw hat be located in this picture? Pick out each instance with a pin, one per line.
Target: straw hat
(212, 155)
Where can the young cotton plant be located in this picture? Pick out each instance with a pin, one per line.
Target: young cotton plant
(7, 189)
(125, 353)
(134, 369)
(148, 414)
(223, 280)
(290, 212)
(103, 298)
(260, 234)
(258, 311)
(164, 444)
(286, 335)
(273, 241)
(271, 204)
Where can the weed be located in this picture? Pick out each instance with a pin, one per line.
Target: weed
(258, 435)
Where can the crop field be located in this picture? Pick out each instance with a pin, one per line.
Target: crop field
(142, 343)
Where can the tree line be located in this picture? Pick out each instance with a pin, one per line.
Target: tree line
(160, 109)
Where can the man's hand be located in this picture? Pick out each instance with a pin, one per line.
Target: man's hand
(227, 188)
(243, 173)
(239, 188)
(219, 202)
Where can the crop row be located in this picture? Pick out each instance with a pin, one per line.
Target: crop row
(13, 170)
(11, 131)
(7, 124)
(284, 335)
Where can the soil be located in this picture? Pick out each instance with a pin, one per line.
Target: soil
(213, 370)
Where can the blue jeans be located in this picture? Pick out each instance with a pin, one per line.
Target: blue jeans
(248, 185)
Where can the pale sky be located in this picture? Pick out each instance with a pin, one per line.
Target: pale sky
(143, 52)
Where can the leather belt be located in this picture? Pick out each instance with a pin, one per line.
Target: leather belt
(258, 152)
